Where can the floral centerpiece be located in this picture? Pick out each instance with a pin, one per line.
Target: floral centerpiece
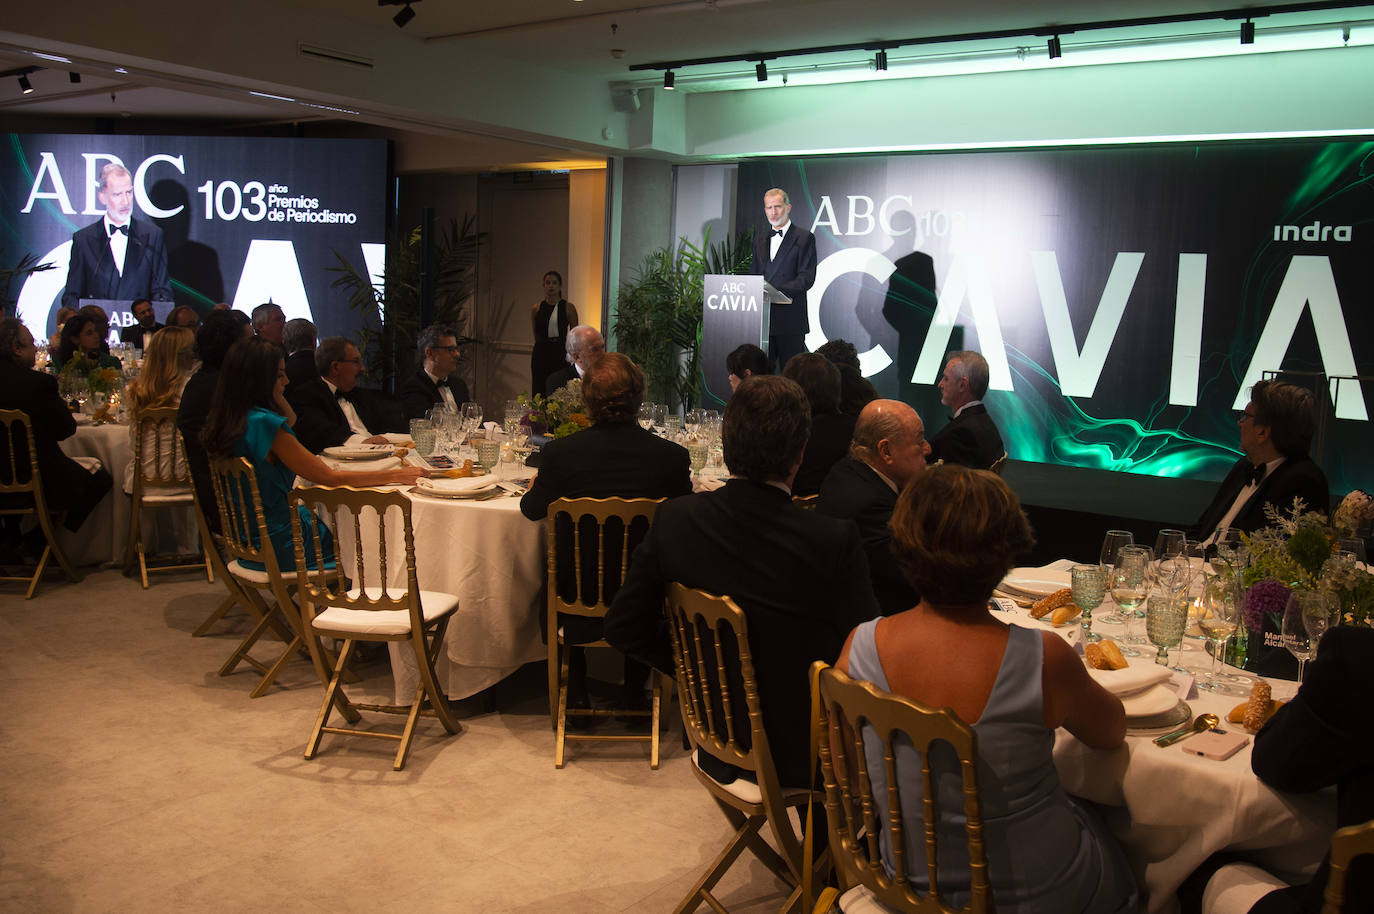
(99, 380)
(560, 415)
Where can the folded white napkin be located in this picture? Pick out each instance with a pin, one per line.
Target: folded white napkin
(1137, 677)
(1155, 700)
(364, 466)
(464, 484)
(397, 438)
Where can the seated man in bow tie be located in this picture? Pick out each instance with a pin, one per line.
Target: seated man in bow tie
(328, 412)
(970, 438)
(1275, 432)
(432, 383)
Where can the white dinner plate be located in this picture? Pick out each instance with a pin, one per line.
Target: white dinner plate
(1159, 724)
(469, 487)
(360, 451)
(1039, 586)
(81, 418)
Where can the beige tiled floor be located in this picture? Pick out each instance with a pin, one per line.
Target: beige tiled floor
(133, 778)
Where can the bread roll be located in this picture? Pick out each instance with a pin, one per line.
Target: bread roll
(1237, 714)
(1047, 605)
(1104, 655)
(1257, 709)
(1065, 613)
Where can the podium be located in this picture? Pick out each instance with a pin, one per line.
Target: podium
(735, 310)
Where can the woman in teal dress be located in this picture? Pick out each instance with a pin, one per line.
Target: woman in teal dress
(955, 534)
(249, 417)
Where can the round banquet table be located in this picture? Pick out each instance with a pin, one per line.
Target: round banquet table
(1170, 810)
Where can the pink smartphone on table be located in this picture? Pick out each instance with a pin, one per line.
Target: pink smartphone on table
(1216, 744)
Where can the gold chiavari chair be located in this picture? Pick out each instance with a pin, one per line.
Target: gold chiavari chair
(21, 494)
(372, 609)
(862, 821)
(722, 716)
(1346, 844)
(161, 478)
(620, 520)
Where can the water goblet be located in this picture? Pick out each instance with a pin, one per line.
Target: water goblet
(488, 452)
(423, 434)
(673, 422)
(696, 456)
(1111, 545)
(1165, 618)
(1089, 585)
(514, 414)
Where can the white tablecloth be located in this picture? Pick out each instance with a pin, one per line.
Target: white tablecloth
(1170, 810)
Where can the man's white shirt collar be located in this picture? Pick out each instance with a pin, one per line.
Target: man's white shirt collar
(966, 406)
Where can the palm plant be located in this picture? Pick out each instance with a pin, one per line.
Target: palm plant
(27, 266)
(658, 314)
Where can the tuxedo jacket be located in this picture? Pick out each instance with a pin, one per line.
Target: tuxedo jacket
(320, 423)
(800, 577)
(854, 491)
(64, 480)
(970, 439)
(827, 445)
(559, 378)
(300, 368)
(793, 271)
(133, 334)
(1325, 736)
(91, 272)
(419, 394)
(607, 460)
(1295, 477)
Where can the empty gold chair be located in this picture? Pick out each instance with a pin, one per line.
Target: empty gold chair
(722, 716)
(1346, 844)
(861, 823)
(624, 521)
(373, 608)
(21, 494)
(161, 478)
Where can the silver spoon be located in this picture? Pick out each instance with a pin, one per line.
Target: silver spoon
(1203, 722)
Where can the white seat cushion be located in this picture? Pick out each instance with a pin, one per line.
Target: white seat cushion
(167, 497)
(257, 578)
(434, 604)
(747, 790)
(859, 900)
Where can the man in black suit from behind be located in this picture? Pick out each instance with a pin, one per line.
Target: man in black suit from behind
(433, 382)
(970, 438)
(119, 257)
(888, 451)
(583, 344)
(330, 410)
(785, 255)
(800, 577)
(145, 324)
(66, 484)
(298, 338)
(612, 458)
(1276, 431)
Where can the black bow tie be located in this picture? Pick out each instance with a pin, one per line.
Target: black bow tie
(778, 232)
(119, 228)
(442, 382)
(1256, 473)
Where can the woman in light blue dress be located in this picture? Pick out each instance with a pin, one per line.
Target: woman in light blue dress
(249, 417)
(955, 534)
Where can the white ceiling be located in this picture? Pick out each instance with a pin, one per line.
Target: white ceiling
(588, 40)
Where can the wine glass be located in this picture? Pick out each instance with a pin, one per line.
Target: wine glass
(513, 416)
(1294, 630)
(472, 415)
(692, 422)
(1165, 618)
(1319, 611)
(661, 415)
(1169, 542)
(1111, 545)
(1129, 583)
(1220, 617)
(646, 416)
(673, 422)
(1089, 585)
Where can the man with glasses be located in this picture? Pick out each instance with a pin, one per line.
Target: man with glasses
(433, 382)
(329, 409)
(1275, 433)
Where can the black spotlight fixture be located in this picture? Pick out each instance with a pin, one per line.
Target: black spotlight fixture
(402, 19)
(74, 76)
(24, 85)
(1055, 50)
(761, 71)
(668, 79)
(1247, 32)
(880, 60)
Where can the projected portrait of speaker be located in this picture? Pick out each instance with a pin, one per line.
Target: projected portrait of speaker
(119, 258)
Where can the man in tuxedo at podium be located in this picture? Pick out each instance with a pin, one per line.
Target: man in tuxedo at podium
(785, 255)
(119, 257)
(1275, 432)
(432, 383)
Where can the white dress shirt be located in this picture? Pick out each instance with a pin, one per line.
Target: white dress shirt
(775, 240)
(119, 243)
(355, 422)
(1242, 497)
(444, 393)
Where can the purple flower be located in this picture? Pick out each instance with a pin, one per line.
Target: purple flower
(1267, 596)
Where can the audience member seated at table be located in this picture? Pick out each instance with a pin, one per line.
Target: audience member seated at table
(583, 344)
(64, 314)
(956, 533)
(1276, 431)
(800, 577)
(67, 485)
(745, 361)
(82, 335)
(184, 316)
(330, 409)
(831, 430)
(269, 320)
(888, 451)
(433, 383)
(298, 338)
(856, 391)
(213, 340)
(166, 369)
(970, 438)
(144, 325)
(614, 457)
(249, 417)
(1324, 736)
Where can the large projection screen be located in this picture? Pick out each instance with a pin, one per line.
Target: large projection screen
(244, 220)
(1126, 298)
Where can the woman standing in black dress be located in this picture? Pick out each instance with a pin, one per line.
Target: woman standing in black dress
(551, 320)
